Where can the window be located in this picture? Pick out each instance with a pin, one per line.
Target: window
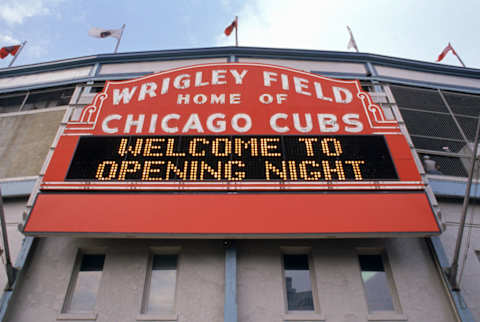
(298, 283)
(159, 296)
(11, 102)
(83, 289)
(36, 99)
(378, 288)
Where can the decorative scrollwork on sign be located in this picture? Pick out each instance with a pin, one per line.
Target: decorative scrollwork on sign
(375, 113)
(90, 112)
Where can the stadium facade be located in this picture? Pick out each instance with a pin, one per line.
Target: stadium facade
(200, 268)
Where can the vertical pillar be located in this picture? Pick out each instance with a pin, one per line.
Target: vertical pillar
(230, 311)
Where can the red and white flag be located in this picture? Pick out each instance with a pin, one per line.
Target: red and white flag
(445, 52)
(230, 27)
(10, 50)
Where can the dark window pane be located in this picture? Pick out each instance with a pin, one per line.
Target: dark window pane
(296, 262)
(48, 98)
(11, 103)
(298, 283)
(97, 87)
(83, 297)
(92, 263)
(374, 277)
(164, 262)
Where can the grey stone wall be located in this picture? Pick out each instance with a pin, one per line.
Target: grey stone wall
(25, 140)
(201, 275)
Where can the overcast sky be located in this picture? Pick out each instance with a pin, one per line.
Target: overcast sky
(414, 29)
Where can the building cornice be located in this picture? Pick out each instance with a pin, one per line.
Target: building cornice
(250, 52)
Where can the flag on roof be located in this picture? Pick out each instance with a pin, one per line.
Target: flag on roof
(10, 50)
(230, 27)
(351, 43)
(445, 52)
(104, 33)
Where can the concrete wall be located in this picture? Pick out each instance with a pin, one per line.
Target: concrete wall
(25, 139)
(469, 263)
(13, 209)
(200, 280)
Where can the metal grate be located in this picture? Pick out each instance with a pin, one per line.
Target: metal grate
(418, 98)
(440, 129)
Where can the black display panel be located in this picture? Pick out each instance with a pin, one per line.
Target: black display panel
(232, 158)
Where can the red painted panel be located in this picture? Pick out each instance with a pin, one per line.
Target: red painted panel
(232, 214)
(402, 158)
(60, 161)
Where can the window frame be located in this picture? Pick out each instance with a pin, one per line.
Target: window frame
(144, 314)
(289, 314)
(66, 313)
(397, 312)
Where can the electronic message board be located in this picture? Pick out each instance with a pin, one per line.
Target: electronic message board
(222, 128)
(232, 158)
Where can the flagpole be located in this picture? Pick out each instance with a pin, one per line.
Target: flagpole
(18, 52)
(118, 40)
(236, 31)
(459, 59)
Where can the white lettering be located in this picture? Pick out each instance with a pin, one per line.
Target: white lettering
(281, 98)
(125, 95)
(327, 122)
(164, 123)
(217, 99)
(105, 126)
(319, 92)
(193, 123)
(199, 99)
(275, 126)
(238, 77)
(235, 98)
(337, 93)
(147, 88)
(153, 123)
(300, 84)
(241, 116)
(284, 82)
(165, 84)
(352, 119)
(219, 126)
(266, 98)
(183, 99)
(138, 123)
(198, 80)
(268, 77)
(182, 81)
(218, 77)
(296, 123)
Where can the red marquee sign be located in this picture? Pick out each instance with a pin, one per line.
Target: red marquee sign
(240, 128)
